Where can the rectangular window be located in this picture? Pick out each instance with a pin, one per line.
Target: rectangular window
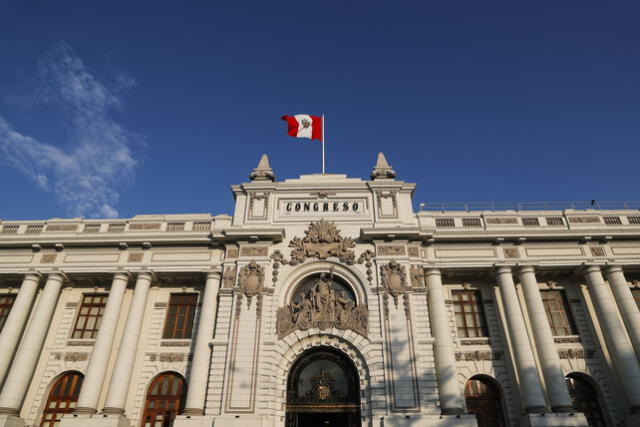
(6, 302)
(179, 323)
(560, 320)
(636, 296)
(469, 314)
(90, 315)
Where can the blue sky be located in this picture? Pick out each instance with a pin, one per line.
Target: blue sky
(122, 108)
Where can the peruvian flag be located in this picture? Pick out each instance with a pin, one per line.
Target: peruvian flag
(304, 126)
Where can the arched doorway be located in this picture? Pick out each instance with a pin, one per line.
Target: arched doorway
(585, 398)
(323, 390)
(165, 399)
(62, 398)
(484, 401)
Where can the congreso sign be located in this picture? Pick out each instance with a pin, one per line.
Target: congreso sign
(323, 301)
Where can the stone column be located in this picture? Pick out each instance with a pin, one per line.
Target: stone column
(97, 367)
(546, 346)
(24, 364)
(16, 320)
(446, 372)
(530, 386)
(624, 358)
(626, 304)
(197, 391)
(121, 377)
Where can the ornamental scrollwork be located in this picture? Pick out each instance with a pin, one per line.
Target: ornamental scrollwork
(322, 240)
(251, 279)
(394, 278)
(325, 305)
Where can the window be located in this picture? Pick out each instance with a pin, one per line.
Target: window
(165, 399)
(469, 315)
(634, 292)
(180, 316)
(560, 320)
(62, 399)
(91, 311)
(531, 221)
(484, 401)
(585, 399)
(445, 222)
(6, 301)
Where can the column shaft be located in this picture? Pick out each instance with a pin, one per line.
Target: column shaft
(198, 379)
(545, 345)
(16, 321)
(121, 377)
(624, 358)
(446, 372)
(19, 377)
(626, 304)
(97, 367)
(530, 386)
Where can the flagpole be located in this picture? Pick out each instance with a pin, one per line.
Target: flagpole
(323, 144)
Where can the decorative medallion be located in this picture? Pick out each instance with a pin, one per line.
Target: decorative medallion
(394, 278)
(229, 277)
(325, 304)
(417, 277)
(322, 240)
(322, 387)
(251, 279)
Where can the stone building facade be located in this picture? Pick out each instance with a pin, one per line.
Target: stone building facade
(324, 300)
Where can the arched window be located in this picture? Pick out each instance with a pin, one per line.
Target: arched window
(585, 398)
(165, 399)
(62, 398)
(483, 400)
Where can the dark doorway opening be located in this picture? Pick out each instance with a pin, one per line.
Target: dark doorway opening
(323, 390)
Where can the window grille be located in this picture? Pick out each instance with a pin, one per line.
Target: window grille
(470, 320)
(10, 229)
(202, 226)
(612, 220)
(92, 228)
(91, 311)
(633, 219)
(6, 302)
(445, 222)
(555, 220)
(557, 309)
(531, 221)
(180, 315)
(471, 222)
(175, 226)
(116, 228)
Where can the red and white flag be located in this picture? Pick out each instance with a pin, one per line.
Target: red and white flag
(304, 126)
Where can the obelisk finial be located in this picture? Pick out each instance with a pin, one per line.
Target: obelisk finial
(382, 170)
(263, 172)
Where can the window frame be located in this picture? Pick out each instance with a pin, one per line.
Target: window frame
(568, 327)
(93, 331)
(172, 329)
(479, 326)
(70, 399)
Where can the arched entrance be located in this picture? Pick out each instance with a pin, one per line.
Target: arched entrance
(484, 401)
(323, 390)
(585, 398)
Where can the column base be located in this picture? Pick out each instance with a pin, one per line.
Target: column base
(7, 420)
(552, 419)
(95, 420)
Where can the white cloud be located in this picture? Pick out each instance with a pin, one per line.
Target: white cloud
(85, 178)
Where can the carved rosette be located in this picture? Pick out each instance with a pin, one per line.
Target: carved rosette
(322, 240)
(394, 278)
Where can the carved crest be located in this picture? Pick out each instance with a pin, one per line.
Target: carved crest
(394, 278)
(251, 279)
(417, 277)
(322, 240)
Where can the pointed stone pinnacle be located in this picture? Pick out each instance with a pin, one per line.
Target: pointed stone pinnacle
(263, 172)
(382, 170)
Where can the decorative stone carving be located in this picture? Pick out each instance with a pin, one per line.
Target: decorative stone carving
(560, 340)
(229, 277)
(597, 251)
(576, 354)
(135, 257)
(382, 170)
(584, 219)
(251, 279)
(417, 276)
(76, 357)
(394, 278)
(278, 259)
(366, 257)
(48, 258)
(484, 341)
(322, 241)
(478, 356)
(391, 250)
(253, 251)
(263, 171)
(511, 253)
(413, 251)
(323, 306)
(501, 220)
(171, 357)
(323, 194)
(232, 252)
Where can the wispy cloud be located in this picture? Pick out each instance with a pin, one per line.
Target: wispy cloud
(86, 177)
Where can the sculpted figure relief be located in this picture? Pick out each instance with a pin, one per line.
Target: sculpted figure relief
(323, 306)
